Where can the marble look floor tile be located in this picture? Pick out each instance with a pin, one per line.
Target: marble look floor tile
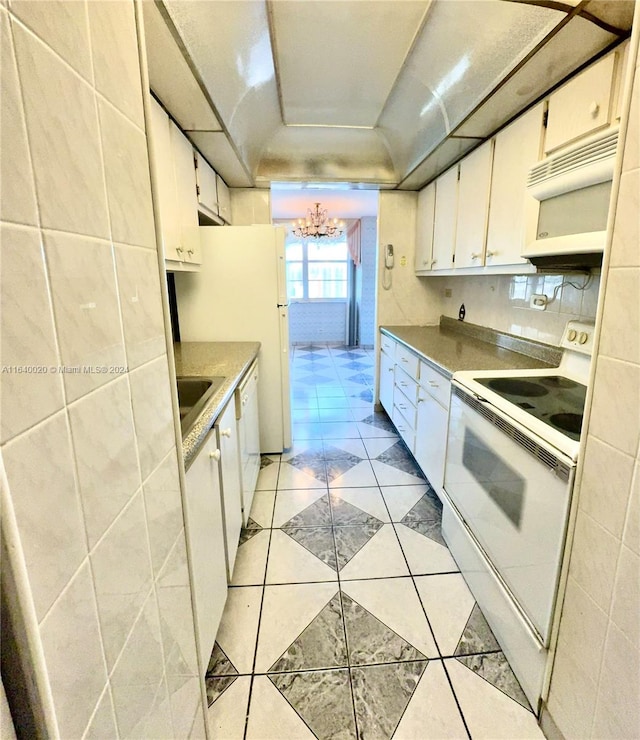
(432, 711)
(291, 477)
(302, 508)
(398, 456)
(426, 509)
(217, 685)
(238, 628)
(320, 645)
(339, 449)
(395, 603)
(251, 560)
(376, 445)
(488, 712)
(390, 475)
(370, 640)
(360, 475)
(350, 540)
(262, 507)
(219, 663)
(379, 557)
(379, 420)
(477, 636)
(338, 468)
(424, 548)
(226, 716)
(356, 505)
(313, 466)
(381, 694)
(495, 669)
(404, 499)
(268, 475)
(322, 699)
(291, 562)
(448, 604)
(317, 540)
(287, 611)
(311, 448)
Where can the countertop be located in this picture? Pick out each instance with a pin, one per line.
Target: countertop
(449, 348)
(230, 360)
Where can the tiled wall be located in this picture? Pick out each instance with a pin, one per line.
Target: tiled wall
(595, 683)
(93, 498)
(367, 272)
(317, 321)
(502, 302)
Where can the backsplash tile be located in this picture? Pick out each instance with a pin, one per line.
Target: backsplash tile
(18, 202)
(85, 303)
(621, 318)
(27, 334)
(51, 526)
(105, 452)
(66, 156)
(103, 722)
(73, 651)
(122, 575)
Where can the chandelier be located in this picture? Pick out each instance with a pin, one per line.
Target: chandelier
(316, 225)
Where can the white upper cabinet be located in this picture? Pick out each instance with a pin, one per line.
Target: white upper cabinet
(424, 228)
(186, 194)
(473, 207)
(582, 105)
(224, 200)
(444, 227)
(207, 188)
(511, 214)
(164, 181)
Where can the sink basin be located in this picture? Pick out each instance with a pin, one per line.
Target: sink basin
(193, 394)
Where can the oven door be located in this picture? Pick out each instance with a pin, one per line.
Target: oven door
(512, 491)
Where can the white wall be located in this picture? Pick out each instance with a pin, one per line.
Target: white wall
(367, 281)
(93, 504)
(317, 321)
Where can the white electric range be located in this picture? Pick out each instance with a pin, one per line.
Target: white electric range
(512, 451)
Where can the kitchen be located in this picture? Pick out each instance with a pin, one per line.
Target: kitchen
(98, 574)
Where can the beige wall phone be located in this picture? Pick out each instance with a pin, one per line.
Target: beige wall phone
(388, 266)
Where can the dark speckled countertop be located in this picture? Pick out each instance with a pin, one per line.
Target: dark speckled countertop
(230, 360)
(454, 346)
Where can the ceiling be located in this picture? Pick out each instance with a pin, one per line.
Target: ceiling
(376, 93)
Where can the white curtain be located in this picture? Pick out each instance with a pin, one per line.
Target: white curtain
(353, 241)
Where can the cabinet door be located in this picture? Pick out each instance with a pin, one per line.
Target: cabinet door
(431, 439)
(205, 540)
(424, 228)
(250, 442)
(164, 190)
(473, 206)
(186, 195)
(387, 365)
(581, 106)
(512, 213)
(224, 200)
(231, 486)
(207, 189)
(444, 227)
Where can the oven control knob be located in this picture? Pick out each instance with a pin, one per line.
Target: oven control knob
(571, 335)
(583, 337)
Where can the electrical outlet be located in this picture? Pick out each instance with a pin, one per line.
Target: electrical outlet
(538, 301)
(403, 261)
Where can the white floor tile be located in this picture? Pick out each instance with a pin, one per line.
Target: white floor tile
(262, 507)
(353, 446)
(401, 499)
(423, 554)
(381, 557)
(290, 562)
(268, 477)
(368, 500)
(369, 431)
(448, 604)
(227, 714)
(291, 477)
(238, 629)
(388, 475)
(340, 430)
(359, 475)
(377, 445)
(300, 447)
(292, 502)
(251, 560)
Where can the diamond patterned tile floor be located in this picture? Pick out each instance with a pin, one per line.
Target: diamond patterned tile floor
(347, 616)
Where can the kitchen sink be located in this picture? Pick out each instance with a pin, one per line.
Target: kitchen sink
(193, 394)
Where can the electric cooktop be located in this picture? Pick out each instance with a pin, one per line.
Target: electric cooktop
(554, 399)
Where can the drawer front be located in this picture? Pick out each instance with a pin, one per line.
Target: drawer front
(404, 405)
(407, 432)
(435, 384)
(407, 360)
(387, 344)
(407, 385)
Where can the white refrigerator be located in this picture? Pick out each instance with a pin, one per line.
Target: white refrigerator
(240, 295)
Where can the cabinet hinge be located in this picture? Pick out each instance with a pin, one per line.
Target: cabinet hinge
(198, 190)
(545, 118)
(195, 161)
(453, 259)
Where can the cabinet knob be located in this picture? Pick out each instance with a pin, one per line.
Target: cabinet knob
(189, 251)
(180, 250)
(594, 108)
(475, 256)
(390, 369)
(225, 432)
(433, 262)
(215, 455)
(491, 253)
(421, 400)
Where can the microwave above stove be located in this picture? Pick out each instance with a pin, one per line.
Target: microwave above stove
(573, 190)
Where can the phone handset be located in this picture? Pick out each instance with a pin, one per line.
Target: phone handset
(388, 256)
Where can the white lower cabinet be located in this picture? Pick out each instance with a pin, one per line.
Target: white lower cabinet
(227, 436)
(387, 364)
(248, 437)
(431, 439)
(205, 529)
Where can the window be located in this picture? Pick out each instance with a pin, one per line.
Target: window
(317, 269)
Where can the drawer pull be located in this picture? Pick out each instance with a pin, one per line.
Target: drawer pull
(403, 384)
(215, 455)
(403, 359)
(433, 384)
(421, 400)
(402, 406)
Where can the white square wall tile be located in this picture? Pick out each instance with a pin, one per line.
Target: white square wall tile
(141, 304)
(40, 473)
(115, 56)
(63, 26)
(625, 609)
(27, 333)
(621, 318)
(66, 156)
(178, 630)
(126, 164)
(152, 413)
(626, 230)
(186, 704)
(105, 454)
(103, 722)
(87, 315)
(18, 202)
(122, 575)
(72, 646)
